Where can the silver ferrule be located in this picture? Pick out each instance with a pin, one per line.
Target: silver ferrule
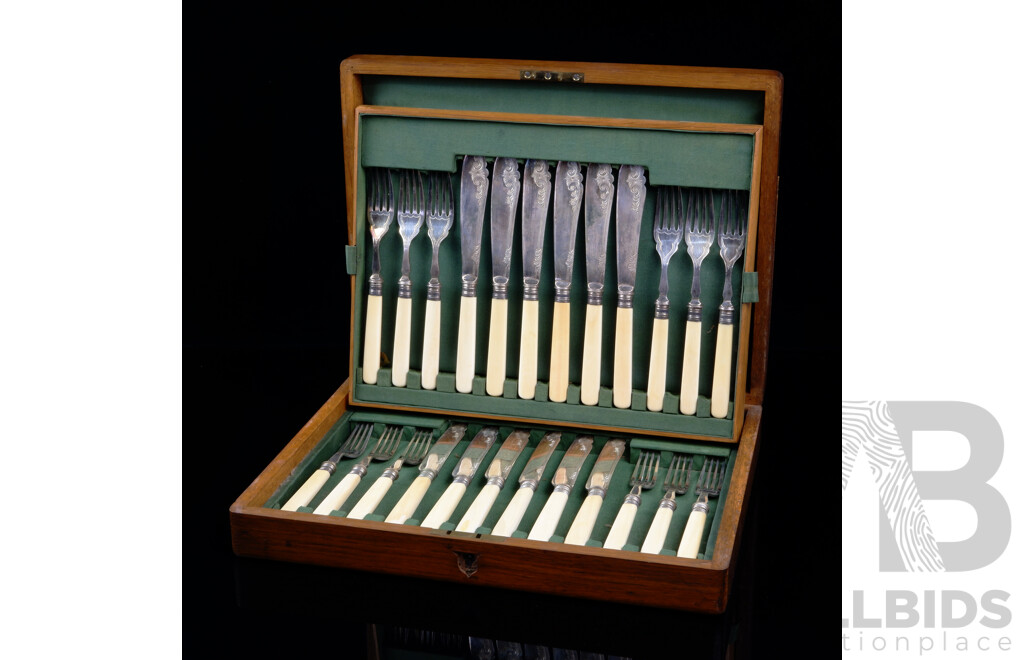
(701, 506)
(561, 292)
(391, 473)
(563, 488)
(667, 504)
(600, 491)
(529, 483)
(626, 299)
(595, 297)
(434, 289)
(330, 466)
(694, 311)
(462, 479)
(429, 473)
(404, 287)
(500, 289)
(469, 288)
(661, 308)
(727, 314)
(496, 481)
(530, 287)
(633, 499)
(376, 285)
(359, 470)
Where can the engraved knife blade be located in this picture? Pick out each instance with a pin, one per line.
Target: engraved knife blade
(597, 214)
(629, 213)
(474, 454)
(568, 194)
(472, 205)
(536, 200)
(504, 201)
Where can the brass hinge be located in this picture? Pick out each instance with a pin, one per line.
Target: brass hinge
(551, 76)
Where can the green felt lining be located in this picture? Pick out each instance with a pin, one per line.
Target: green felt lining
(627, 101)
(749, 293)
(617, 490)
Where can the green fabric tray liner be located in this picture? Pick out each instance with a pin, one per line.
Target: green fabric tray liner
(617, 490)
(586, 100)
(672, 157)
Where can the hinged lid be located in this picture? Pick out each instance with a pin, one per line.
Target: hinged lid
(691, 127)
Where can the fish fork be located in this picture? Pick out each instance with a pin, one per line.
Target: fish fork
(354, 445)
(382, 451)
(731, 239)
(440, 213)
(709, 484)
(380, 208)
(414, 452)
(410, 211)
(677, 481)
(668, 230)
(644, 476)
(700, 236)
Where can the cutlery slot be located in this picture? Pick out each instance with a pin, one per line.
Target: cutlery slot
(438, 144)
(617, 489)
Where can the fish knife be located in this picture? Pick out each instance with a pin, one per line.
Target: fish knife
(597, 214)
(563, 481)
(504, 200)
(497, 473)
(629, 212)
(464, 472)
(568, 199)
(597, 487)
(509, 521)
(472, 204)
(536, 200)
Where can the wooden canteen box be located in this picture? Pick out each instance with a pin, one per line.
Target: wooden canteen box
(703, 131)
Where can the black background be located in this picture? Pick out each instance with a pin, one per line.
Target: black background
(266, 305)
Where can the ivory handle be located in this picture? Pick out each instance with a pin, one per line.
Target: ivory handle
(371, 340)
(659, 356)
(443, 508)
(431, 344)
(403, 323)
(590, 381)
(558, 376)
(622, 386)
(583, 524)
(479, 509)
(723, 372)
(411, 499)
(338, 495)
(544, 528)
(619, 533)
(367, 504)
(496, 347)
(509, 521)
(465, 358)
(528, 351)
(307, 491)
(691, 369)
(655, 539)
(690, 544)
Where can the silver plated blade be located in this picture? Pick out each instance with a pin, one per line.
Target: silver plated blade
(538, 462)
(442, 448)
(472, 204)
(629, 212)
(597, 215)
(507, 456)
(601, 475)
(504, 200)
(569, 469)
(568, 200)
(474, 454)
(536, 200)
